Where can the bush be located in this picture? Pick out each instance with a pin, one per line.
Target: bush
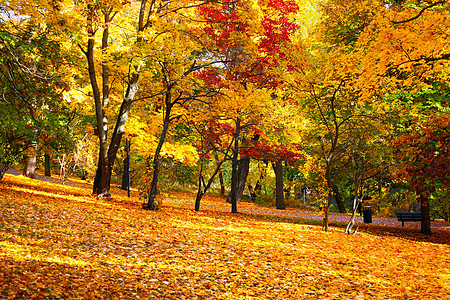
(386, 204)
(440, 204)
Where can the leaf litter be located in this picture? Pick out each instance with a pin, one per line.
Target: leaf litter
(60, 242)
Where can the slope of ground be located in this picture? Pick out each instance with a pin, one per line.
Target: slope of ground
(59, 242)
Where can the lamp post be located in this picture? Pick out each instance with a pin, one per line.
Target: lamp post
(128, 167)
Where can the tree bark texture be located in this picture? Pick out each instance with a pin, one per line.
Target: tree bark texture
(150, 205)
(243, 167)
(47, 166)
(200, 191)
(338, 199)
(330, 185)
(278, 169)
(125, 175)
(234, 168)
(222, 184)
(30, 166)
(327, 212)
(351, 223)
(357, 201)
(4, 166)
(126, 168)
(425, 227)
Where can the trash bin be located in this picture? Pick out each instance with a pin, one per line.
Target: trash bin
(367, 214)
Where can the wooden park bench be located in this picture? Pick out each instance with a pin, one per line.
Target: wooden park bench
(409, 217)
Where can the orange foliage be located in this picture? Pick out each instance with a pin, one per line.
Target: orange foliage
(423, 153)
(59, 242)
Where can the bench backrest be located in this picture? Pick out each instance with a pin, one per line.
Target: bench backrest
(409, 216)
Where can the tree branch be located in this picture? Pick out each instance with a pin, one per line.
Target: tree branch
(420, 12)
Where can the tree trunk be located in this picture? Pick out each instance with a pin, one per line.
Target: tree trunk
(327, 212)
(242, 174)
(126, 169)
(278, 168)
(330, 185)
(96, 185)
(198, 198)
(4, 166)
(234, 168)
(102, 189)
(351, 223)
(47, 169)
(425, 227)
(116, 139)
(119, 128)
(357, 201)
(154, 185)
(125, 175)
(329, 155)
(153, 189)
(107, 157)
(338, 199)
(30, 166)
(243, 169)
(222, 184)
(200, 191)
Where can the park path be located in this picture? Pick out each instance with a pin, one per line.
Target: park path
(302, 214)
(252, 209)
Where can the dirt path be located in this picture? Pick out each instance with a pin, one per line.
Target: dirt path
(250, 208)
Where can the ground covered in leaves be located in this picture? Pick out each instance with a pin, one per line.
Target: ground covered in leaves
(59, 242)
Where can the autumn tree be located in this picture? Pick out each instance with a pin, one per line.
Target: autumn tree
(408, 70)
(80, 25)
(332, 103)
(356, 33)
(393, 50)
(254, 40)
(116, 39)
(177, 85)
(215, 143)
(327, 87)
(31, 99)
(275, 147)
(241, 121)
(94, 24)
(333, 114)
(423, 153)
(278, 153)
(367, 160)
